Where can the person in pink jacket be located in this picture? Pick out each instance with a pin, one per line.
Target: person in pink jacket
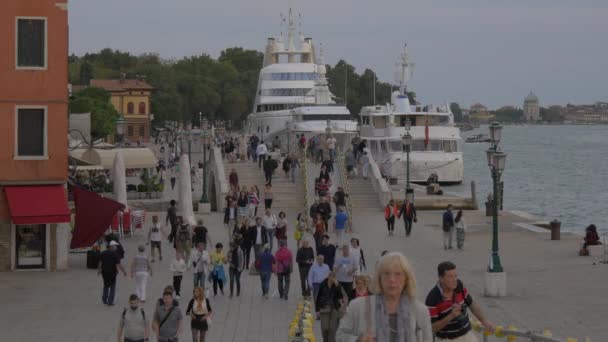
(284, 266)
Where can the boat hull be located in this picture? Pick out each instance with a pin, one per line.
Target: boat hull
(449, 167)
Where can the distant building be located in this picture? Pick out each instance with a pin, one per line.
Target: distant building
(595, 113)
(34, 214)
(531, 108)
(480, 114)
(131, 98)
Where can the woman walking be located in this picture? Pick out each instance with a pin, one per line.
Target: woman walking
(281, 231)
(246, 243)
(218, 275)
(301, 229)
(141, 270)
(330, 302)
(268, 196)
(357, 253)
(461, 228)
(243, 209)
(254, 200)
(178, 267)
(390, 212)
(199, 311)
(235, 260)
(393, 313)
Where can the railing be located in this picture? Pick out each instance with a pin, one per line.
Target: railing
(345, 185)
(512, 334)
(378, 182)
(300, 329)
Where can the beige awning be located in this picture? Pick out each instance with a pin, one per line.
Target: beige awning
(135, 158)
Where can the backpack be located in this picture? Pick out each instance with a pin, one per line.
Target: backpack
(183, 235)
(447, 225)
(143, 314)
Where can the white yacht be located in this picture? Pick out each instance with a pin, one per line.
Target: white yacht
(436, 144)
(293, 92)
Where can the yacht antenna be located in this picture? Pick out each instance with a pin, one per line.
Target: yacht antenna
(374, 88)
(345, 83)
(404, 70)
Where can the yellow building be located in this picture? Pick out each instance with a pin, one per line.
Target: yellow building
(131, 98)
(480, 114)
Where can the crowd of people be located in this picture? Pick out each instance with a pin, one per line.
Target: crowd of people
(351, 303)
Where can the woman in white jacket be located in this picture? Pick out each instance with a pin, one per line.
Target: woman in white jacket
(393, 314)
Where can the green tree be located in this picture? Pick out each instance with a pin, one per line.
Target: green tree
(551, 114)
(97, 102)
(86, 73)
(457, 111)
(509, 114)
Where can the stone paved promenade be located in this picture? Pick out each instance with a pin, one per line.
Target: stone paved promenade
(549, 286)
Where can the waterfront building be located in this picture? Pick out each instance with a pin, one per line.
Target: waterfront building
(33, 135)
(586, 114)
(131, 98)
(479, 113)
(531, 108)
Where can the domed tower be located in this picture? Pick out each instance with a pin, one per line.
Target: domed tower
(531, 108)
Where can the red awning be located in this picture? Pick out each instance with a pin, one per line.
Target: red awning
(37, 204)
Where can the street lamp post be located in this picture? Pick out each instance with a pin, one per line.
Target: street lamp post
(288, 132)
(406, 139)
(496, 286)
(120, 129)
(204, 198)
(189, 139)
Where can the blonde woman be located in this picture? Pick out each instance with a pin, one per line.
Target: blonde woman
(199, 311)
(393, 313)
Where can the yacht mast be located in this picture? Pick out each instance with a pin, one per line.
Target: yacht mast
(404, 70)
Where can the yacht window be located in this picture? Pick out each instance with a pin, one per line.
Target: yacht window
(418, 145)
(383, 146)
(267, 129)
(436, 145)
(395, 146)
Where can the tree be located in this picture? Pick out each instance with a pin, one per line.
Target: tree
(86, 73)
(457, 111)
(509, 114)
(97, 102)
(551, 114)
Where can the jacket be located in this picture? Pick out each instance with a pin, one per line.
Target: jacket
(305, 256)
(284, 260)
(328, 297)
(252, 235)
(387, 211)
(329, 253)
(354, 323)
(404, 212)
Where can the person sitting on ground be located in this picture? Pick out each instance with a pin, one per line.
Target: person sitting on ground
(591, 236)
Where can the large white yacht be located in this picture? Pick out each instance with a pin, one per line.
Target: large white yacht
(436, 144)
(293, 92)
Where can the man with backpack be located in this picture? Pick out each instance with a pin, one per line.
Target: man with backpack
(133, 325)
(167, 322)
(284, 266)
(448, 228)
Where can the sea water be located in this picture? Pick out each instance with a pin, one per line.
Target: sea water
(552, 172)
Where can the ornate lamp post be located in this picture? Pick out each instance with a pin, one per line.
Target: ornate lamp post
(120, 129)
(406, 140)
(204, 124)
(288, 132)
(495, 278)
(189, 139)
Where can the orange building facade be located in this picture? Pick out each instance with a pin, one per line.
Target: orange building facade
(34, 229)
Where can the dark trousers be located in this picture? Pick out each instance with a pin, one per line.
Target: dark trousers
(408, 225)
(109, 289)
(348, 288)
(261, 158)
(268, 203)
(218, 283)
(172, 183)
(304, 269)
(283, 282)
(246, 256)
(235, 276)
(390, 223)
(177, 284)
(268, 176)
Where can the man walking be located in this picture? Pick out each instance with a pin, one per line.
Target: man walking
(109, 264)
(284, 262)
(154, 239)
(269, 166)
(295, 163)
(328, 251)
(331, 147)
(270, 222)
(266, 261)
(200, 262)
(448, 228)
(340, 223)
(172, 219)
(133, 325)
(258, 237)
(261, 152)
(167, 323)
(318, 272)
(448, 302)
(408, 211)
(346, 267)
(305, 258)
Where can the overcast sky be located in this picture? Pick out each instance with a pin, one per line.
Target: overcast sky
(492, 51)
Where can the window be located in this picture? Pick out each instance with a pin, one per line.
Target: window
(31, 43)
(267, 129)
(130, 131)
(130, 108)
(30, 246)
(142, 108)
(142, 130)
(31, 132)
(396, 145)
